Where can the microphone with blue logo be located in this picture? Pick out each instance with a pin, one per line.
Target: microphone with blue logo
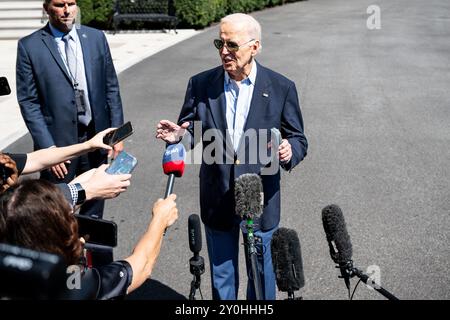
(173, 164)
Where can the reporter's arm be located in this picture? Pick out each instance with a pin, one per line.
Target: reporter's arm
(146, 252)
(45, 158)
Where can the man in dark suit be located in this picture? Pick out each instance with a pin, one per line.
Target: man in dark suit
(68, 90)
(232, 100)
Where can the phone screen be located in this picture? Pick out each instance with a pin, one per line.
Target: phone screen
(119, 134)
(124, 163)
(97, 231)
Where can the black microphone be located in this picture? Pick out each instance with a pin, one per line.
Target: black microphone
(196, 263)
(248, 195)
(341, 248)
(195, 234)
(338, 240)
(287, 261)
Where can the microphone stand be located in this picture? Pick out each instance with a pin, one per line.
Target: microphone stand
(253, 259)
(197, 268)
(349, 271)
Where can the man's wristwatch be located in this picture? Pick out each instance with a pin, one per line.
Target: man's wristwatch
(81, 194)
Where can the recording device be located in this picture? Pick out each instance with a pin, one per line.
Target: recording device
(124, 163)
(119, 134)
(249, 199)
(287, 261)
(249, 195)
(196, 263)
(341, 248)
(5, 89)
(173, 164)
(97, 231)
(28, 274)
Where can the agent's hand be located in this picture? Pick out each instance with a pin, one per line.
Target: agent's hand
(13, 177)
(166, 210)
(101, 185)
(96, 142)
(285, 151)
(170, 132)
(60, 170)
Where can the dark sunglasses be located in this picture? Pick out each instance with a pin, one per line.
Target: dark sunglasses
(231, 45)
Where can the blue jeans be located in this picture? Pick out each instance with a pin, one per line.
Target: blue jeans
(223, 252)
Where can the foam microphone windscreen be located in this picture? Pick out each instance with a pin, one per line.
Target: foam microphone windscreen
(337, 235)
(287, 260)
(248, 195)
(194, 233)
(173, 160)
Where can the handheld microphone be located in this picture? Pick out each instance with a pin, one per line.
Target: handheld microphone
(196, 263)
(287, 261)
(248, 195)
(173, 164)
(341, 248)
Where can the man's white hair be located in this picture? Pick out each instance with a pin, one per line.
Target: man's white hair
(252, 26)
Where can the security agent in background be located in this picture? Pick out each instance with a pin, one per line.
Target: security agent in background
(55, 231)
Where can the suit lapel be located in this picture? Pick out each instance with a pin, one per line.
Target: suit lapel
(217, 102)
(260, 98)
(50, 43)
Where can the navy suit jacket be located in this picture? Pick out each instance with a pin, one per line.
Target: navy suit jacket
(45, 92)
(274, 105)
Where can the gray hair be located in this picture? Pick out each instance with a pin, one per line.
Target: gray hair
(252, 26)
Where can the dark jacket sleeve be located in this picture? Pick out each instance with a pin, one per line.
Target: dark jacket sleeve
(292, 128)
(66, 191)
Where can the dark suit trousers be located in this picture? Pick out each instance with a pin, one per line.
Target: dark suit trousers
(93, 208)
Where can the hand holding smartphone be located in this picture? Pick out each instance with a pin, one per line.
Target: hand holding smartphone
(119, 134)
(124, 163)
(97, 231)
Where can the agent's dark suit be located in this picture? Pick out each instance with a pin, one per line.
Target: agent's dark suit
(46, 96)
(274, 105)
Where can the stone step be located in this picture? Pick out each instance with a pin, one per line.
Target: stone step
(20, 14)
(14, 34)
(20, 5)
(20, 24)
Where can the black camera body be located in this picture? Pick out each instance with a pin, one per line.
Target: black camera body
(4, 87)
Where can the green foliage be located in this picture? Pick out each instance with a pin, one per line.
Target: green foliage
(96, 13)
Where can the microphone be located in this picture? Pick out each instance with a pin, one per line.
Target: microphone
(287, 261)
(248, 195)
(338, 240)
(341, 249)
(173, 164)
(196, 263)
(195, 234)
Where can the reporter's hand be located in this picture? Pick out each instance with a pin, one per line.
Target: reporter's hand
(166, 210)
(60, 170)
(170, 132)
(102, 185)
(96, 142)
(117, 148)
(13, 178)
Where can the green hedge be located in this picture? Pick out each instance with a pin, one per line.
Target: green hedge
(191, 13)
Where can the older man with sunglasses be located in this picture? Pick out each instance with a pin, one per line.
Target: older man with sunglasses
(233, 99)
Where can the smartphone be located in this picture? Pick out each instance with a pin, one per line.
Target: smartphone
(118, 134)
(97, 231)
(124, 163)
(4, 87)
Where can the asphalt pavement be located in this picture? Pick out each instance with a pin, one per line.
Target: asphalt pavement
(376, 112)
